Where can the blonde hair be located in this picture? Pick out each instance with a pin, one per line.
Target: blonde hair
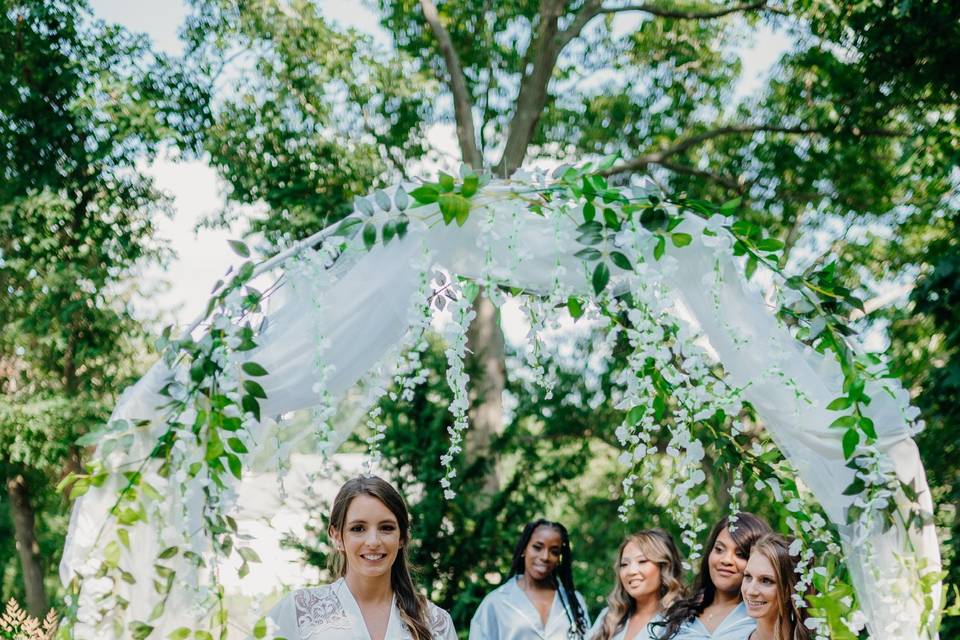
(789, 624)
(658, 547)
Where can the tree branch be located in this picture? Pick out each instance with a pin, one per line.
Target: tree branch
(462, 104)
(663, 12)
(532, 98)
(657, 157)
(730, 182)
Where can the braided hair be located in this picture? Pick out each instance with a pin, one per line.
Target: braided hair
(562, 575)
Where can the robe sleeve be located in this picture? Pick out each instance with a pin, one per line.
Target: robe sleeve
(597, 624)
(483, 626)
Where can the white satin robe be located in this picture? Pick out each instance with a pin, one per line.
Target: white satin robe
(506, 613)
(330, 612)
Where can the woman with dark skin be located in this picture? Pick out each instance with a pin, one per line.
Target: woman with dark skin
(538, 601)
(715, 610)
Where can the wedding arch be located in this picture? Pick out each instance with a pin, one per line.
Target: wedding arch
(154, 529)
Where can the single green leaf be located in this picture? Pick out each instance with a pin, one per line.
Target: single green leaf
(855, 488)
(454, 207)
(589, 254)
(124, 536)
(470, 185)
(660, 247)
(248, 554)
(401, 199)
(621, 260)
(168, 553)
(730, 205)
(751, 267)
(382, 199)
(253, 388)
(844, 422)
(250, 405)
(346, 225)
(253, 369)
(425, 194)
(236, 467)
(363, 205)
(589, 212)
(183, 633)
(770, 244)
(601, 276)
(139, 630)
(369, 235)
(240, 248)
(681, 239)
(590, 238)
(446, 181)
(611, 219)
(839, 404)
(389, 231)
(868, 428)
(575, 307)
(850, 441)
(237, 445)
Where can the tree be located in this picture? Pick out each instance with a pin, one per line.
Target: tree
(83, 102)
(834, 155)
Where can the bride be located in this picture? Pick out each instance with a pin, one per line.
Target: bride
(374, 598)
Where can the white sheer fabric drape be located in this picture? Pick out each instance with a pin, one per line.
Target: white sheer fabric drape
(365, 313)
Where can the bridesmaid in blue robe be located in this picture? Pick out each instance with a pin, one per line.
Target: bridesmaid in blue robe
(715, 609)
(538, 601)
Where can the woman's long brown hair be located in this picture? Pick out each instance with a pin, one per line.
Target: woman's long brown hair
(412, 605)
(748, 528)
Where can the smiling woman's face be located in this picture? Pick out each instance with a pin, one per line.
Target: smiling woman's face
(542, 554)
(370, 539)
(726, 564)
(759, 588)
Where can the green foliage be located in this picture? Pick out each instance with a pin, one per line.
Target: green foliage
(312, 115)
(82, 103)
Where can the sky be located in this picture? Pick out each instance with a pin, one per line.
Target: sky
(202, 257)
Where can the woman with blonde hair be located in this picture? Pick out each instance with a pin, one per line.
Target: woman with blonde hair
(769, 591)
(375, 595)
(648, 580)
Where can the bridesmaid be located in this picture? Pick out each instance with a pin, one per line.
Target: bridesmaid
(538, 601)
(769, 586)
(649, 575)
(374, 597)
(714, 610)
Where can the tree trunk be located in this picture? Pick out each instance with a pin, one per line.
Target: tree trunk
(485, 343)
(23, 525)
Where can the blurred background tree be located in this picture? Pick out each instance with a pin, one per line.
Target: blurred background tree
(82, 103)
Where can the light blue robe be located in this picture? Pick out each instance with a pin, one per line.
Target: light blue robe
(506, 613)
(736, 626)
(651, 631)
